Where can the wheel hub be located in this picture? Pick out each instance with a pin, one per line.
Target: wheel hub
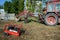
(51, 19)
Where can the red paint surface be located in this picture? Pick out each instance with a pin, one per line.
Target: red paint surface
(11, 32)
(56, 0)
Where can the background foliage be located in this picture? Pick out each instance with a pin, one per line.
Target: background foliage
(14, 6)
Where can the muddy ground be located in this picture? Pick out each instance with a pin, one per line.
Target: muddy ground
(33, 31)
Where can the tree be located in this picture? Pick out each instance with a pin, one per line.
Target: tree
(40, 6)
(14, 6)
(8, 7)
(32, 6)
(18, 5)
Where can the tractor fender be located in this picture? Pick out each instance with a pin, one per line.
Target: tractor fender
(48, 13)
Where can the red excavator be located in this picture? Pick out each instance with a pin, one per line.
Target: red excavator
(51, 13)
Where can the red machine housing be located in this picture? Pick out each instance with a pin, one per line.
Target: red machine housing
(12, 31)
